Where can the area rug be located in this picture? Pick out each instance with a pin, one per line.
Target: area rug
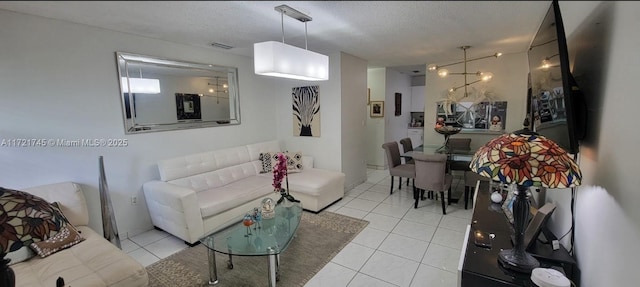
(319, 238)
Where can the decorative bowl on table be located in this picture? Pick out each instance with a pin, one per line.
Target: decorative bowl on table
(447, 130)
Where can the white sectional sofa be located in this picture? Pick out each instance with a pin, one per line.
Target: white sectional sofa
(92, 262)
(200, 193)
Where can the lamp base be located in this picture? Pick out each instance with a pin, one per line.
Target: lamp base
(517, 261)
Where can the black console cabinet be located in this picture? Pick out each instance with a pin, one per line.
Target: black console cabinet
(480, 265)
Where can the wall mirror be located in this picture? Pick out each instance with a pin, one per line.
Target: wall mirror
(160, 94)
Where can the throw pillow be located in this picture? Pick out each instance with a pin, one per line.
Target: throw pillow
(66, 238)
(266, 158)
(270, 159)
(26, 219)
(294, 161)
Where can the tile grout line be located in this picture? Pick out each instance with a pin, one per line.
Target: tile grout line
(376, 249)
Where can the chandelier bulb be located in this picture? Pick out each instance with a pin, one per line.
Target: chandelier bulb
(432, 67)
(498, 54)
(443, 73)
(486, 76)
(546, 64)
(451, 90)
(211, 90)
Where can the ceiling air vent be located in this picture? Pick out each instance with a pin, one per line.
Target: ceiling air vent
(220, 45)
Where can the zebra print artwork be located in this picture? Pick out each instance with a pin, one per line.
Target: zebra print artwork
(306, 111)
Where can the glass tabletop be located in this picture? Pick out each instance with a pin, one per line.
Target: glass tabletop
(268, 236)
(454, 154)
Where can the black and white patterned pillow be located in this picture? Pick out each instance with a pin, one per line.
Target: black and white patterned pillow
(266, 158)
(270, 159)
(294, 161)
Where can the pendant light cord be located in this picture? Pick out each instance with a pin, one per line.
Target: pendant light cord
(305, 35)
(282, 22)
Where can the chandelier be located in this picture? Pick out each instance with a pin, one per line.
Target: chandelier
(481, 76)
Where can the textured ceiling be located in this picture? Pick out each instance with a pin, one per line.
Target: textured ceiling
(404, 35)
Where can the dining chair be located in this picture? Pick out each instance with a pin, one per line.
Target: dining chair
(431, 176)
(396, 168)
(459, 143)
(470, 179)
(407, 146)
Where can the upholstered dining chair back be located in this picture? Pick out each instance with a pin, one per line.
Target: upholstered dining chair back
(470, 180)
(431, 175)
(459, 143)
(407, 146)
(396, 168)
(393, 154)
(431, 172)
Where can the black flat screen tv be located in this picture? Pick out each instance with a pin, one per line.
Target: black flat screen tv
(556, 106)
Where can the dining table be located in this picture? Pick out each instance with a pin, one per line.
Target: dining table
(457, 159)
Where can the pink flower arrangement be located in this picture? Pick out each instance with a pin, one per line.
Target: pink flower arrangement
(279, 171)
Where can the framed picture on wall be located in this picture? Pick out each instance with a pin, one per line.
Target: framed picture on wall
(188, 106)
(377, 109)
(306, 111)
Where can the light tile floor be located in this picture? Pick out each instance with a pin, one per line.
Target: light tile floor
(401, 246)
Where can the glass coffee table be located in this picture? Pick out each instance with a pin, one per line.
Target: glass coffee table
(270, 237)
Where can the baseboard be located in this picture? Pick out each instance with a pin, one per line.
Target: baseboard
(373, 166)
(353, 185)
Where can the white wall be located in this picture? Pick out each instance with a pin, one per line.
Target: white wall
(374, 130)
(58, 80)
(325, 149)
(339, 146)
(396, 126)
(353, 73)
(509, 84)
(418, 80)
(384, 83)
(607, 216)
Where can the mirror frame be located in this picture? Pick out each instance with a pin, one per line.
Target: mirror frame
(131, 127)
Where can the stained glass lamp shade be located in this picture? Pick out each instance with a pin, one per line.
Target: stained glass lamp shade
(526, 159)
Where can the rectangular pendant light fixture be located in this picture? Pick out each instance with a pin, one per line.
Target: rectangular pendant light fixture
(278, 59)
